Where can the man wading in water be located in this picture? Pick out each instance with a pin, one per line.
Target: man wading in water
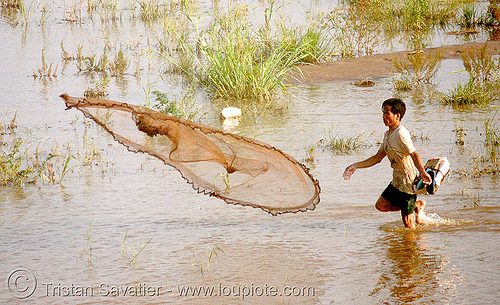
(405, 161)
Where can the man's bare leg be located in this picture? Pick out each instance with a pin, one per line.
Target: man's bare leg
(408, 220)
(385, 206)
(419, 211)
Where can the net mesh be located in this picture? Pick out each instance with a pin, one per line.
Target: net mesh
(237, 169)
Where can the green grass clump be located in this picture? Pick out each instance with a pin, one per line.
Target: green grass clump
(25, 160)
(483, 86)
(242, 66)
(12, 170)
(115, 65)
(353, 32)
(342, 145)
(152, 10)
(236, 70)
(235, 60)
(470, 93)
(184, 108)
(414, 20)
(419, 69)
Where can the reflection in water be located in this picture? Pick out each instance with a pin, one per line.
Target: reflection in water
(413, 272)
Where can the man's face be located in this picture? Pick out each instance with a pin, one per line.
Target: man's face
(390, 118)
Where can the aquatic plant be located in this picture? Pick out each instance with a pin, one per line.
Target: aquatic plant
(184, 108)
(123, 242)
(480, 165)
(74, 12)
(492, 17)
(108, 10)
(12, 170)
(483, 85)
(469, 94)
(353, 34)
(114, 66)
(44, 13)
(480, 65)
(308, 44)
(119, 65)
(420, 68)
(310, 156)
(24, 161)
(484, 160)
(234, 71)
(92, 63)
(99, 90)
(414, 20)
(469, 16)
(204, 265)
(470, 198)
(16, 4)
(46, 70)
(236, 61)
(135, 254)
(89, 246)
(492, 137)
(340, 144)
(237, 68)
(152, 10)
(66, 56)
(459, 134)
(177, 46)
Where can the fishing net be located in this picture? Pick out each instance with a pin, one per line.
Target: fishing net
(237, 169)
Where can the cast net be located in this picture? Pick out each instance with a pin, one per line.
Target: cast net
(237, 169)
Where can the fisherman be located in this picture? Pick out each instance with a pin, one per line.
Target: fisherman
(406, 163)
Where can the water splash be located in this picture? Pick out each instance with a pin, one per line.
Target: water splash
(434, 219)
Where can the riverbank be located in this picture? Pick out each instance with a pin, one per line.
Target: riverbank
(373, 66)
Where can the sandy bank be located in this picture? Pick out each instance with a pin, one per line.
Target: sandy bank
(374, 66)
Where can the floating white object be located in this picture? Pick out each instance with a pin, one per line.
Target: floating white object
(231, 112)
(231, 117)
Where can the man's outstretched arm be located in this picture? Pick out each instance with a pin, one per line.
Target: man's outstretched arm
(375, 159)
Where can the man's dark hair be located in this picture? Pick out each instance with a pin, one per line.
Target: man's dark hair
(397, 106)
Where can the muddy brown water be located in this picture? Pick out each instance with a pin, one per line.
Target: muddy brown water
(130, 230)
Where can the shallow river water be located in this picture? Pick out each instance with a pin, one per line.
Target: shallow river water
(128, 229)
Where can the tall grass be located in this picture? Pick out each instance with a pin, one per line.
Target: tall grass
(469, 16)
(354, 34)
(419, 69)
(484, 160)
(480, 65)
(243, 65)
(483, 86)
(235, 60)
(236, 69)
(415, 20)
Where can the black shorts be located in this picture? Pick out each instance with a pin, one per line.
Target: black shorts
(404, 201)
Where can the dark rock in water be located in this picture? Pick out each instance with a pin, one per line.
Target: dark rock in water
(365, 83)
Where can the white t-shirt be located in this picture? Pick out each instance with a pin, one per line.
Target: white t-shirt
(398, 146)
